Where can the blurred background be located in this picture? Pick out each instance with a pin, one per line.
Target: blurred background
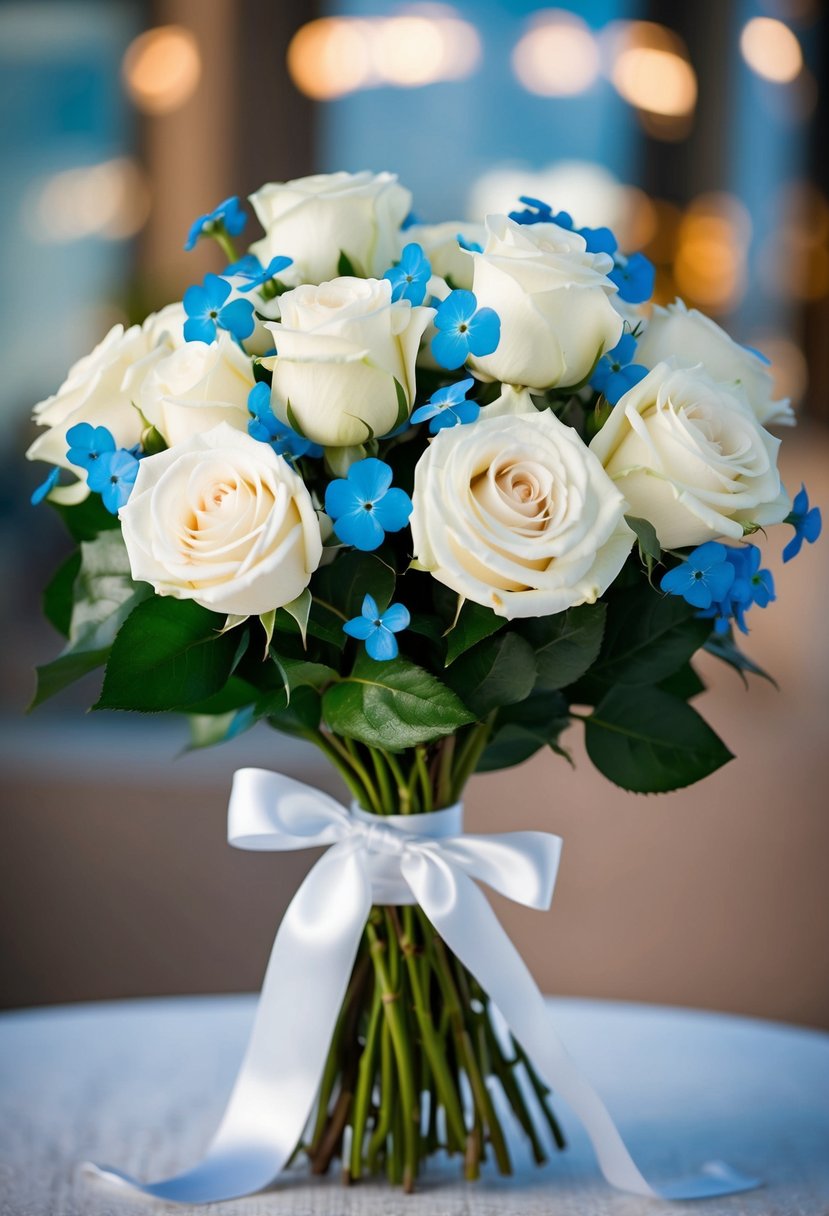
(698, 132)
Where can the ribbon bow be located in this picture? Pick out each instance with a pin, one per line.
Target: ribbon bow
(423, 859)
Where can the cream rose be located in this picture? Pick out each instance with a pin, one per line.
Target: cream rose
(100, 389)
(448, 259)
(691, 338)
(690, 457)
(222, 520)
(515, 513)
(554, 300)
(196, 387)
(341, 350)
(315, 219)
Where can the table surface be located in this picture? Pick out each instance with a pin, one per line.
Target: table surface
(141, 1084)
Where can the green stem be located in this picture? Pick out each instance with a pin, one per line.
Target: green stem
(362, 771)
(397, 1026)
(381, 772)
(444, 784)
(341, 763)
(470, 753)
(223, 240)
(365, 1081)
(403, 795)
(382, 1127)
(423, 774)
(432, 1044)
(466, 1052)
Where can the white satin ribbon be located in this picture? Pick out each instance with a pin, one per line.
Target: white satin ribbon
(398, 859)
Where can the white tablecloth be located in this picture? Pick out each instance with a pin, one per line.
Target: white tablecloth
(140, 1085)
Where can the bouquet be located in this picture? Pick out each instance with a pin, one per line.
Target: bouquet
(422, 496)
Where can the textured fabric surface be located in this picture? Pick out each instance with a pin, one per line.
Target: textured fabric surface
(141, 1084)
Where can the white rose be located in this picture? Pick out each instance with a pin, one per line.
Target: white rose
(515, 513)
(342, 349)
(222, 520)
(554, 300)
(100, 389)
(196, 387)
(448, 259)
(690, 457)
(692, 338)
(315, 219)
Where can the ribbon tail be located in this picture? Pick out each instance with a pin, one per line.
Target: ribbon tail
(305, 984)
(466, 922)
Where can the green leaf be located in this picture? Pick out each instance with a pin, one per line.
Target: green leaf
(498, 671)
(392, 705)
(344, 583)
(649, 742)
(402, 405)
(300, 716)
(293, 421)
(300, 610)
(650, 549)
(85, 520)
(648, 638)
(104, 592)
(169, 654)
(724, 647)
(473, 624)
(345, 267)
(236, 694)
(522, 730)
(565, 644)
(299, 673)
(55, 676)
(57, 597)
(685, 684)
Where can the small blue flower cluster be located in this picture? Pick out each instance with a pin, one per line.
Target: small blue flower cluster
(110, 471)
(616, 372)
(265, 426)
(634, 275)
(723, 581)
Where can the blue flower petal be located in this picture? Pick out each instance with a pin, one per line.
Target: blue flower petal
(45, 488)
(360, 529)
(369, 479)
(450, 350)
(381, 645)
(396, 617)
(237, 319)
(369, 608)
(360, 627)
(484, 331)
(392, 511)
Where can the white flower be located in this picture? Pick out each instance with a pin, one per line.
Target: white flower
(554, 300)
(691, 338)
(101, 388)
(194, 388)
(342, 349)
(222, 520)
(448, 259)
(315, 219)
(515, 513)
(690, 457)
(513, 400)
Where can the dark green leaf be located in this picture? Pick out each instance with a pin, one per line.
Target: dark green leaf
(345, 267)
(650, 549)
(57, 597)
(169, 654)
(54, 677)
(344, 583)
(498, 671)
(85, 520)
(685, 684)
(299, 673)
(236, 694)
(392, 705)
(300, 716)
(565, 644)
(649, 742)
(724, 647)
(648, 637)
(523, 729)
(474, 623)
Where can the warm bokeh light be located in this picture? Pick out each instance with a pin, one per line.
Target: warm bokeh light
(793, 261)
(771, 49)
(789, 369)
(332, 56)
(710, 264)
(656, 80)
(557, 56)
(109, 200)
(589, 191)
(162, 68)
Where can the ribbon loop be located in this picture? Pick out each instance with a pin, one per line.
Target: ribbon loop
(424, 859)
